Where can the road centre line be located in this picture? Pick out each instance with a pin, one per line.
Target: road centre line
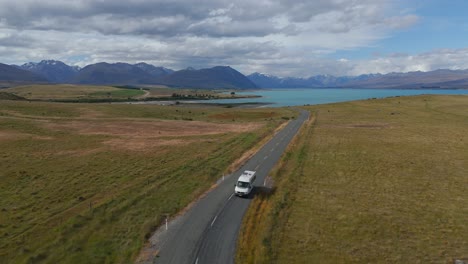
(214, 220)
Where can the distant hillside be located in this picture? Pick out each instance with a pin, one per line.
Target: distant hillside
(460, 84)
(54, 71)
(13, 74)
(115, 73)
(10, 96)
(216, 77)
(415, 80)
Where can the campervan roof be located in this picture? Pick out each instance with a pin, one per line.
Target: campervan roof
(246, 175)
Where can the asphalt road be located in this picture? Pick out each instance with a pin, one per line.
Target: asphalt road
(207, 233)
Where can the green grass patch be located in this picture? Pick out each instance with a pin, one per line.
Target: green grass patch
(375, 181)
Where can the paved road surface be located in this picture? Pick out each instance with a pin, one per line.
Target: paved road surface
(207, 233)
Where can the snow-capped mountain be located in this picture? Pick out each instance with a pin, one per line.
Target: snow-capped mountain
(317, 81)
(54, 71)
(153, 70)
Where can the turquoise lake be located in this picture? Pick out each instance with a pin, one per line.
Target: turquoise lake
(296, 97)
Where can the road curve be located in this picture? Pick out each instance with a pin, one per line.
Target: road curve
(207, 232)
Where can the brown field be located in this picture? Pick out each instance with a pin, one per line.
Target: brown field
(63, 91)
(88, 183)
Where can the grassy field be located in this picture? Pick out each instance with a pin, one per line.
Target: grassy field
(72, 92)
(375, 181)
(95, 93)
(88, 183)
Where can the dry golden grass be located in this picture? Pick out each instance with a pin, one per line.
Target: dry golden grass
(71, 92)
(375, 181)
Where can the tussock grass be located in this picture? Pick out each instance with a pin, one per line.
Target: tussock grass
(68, 196)
(378, 181)
(72, 92)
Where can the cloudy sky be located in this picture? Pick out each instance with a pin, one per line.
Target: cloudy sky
(284, 37)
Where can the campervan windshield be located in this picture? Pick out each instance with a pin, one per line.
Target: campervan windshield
(242, 184)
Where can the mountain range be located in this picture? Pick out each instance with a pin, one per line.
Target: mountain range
(218, 77)
(10, 73)
(410, 80)
(318, 81)
(126, 74)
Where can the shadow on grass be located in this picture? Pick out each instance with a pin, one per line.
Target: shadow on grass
(261, 192)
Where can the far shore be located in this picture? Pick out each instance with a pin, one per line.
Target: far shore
(196, 103)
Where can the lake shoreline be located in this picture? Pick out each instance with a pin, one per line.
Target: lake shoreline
(282, 97)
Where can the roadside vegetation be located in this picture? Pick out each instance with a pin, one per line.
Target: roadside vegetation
(374, 181)
(89, 183)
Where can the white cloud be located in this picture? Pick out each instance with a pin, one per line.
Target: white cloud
(453, 59)
(284, 37)
(401, 21)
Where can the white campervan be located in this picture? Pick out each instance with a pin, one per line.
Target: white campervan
(244, 184)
